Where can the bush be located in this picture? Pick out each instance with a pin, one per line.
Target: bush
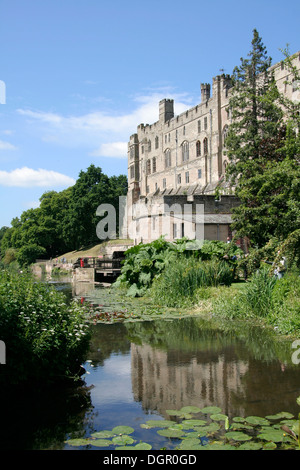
(45, 338)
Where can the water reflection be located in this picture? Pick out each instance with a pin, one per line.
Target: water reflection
(161, 365)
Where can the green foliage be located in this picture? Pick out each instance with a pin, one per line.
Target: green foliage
(178, 285)
(65, 220)
(279, 431)
(168, 262)
(45, 338)
(277, 302)
(263, 150)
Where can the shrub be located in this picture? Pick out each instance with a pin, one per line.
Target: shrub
(45, 338)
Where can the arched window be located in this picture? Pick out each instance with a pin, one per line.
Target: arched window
(198, 148)
(185, 151)
(156, 142)
(205, 146)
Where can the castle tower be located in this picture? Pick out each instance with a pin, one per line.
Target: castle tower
(205, 92)
(166, 110)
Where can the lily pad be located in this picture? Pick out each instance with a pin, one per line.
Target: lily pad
(237, 436)
(281, 415)
(218, 417)
(169, 432)
(191, 423)
(78, 442)
(272, 436)
(122, 430)
(153, 423)
(216, 446)
(143, 446)
(188, 444)
(211, 410)
(190, 409)
(257, 421)
(103, 434)
(122, 440)
(101, 443)
(250, 446)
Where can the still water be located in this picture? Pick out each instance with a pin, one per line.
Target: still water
(136, 371)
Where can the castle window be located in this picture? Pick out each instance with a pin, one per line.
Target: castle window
(154, 165)
(198, 148)
(132, 151)
(178, 179)
(142, 149)
(187, 177)
(183, 130)
(205, 123)
(132, 172)
(205, 146)
(149, 146)
(185, 151)
(225, 134)
(199, 127)
(148, 167)
(156, 142)
(164, 183)
(199, 173)
(167, 158)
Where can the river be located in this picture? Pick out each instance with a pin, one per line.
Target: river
(138, 371)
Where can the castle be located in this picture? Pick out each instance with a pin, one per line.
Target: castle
(179, 163)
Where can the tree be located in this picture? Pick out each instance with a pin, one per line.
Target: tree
(263, 151)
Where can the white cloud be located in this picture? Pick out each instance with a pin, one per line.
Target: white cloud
(112, 149)
(6, 146)
(103, 133)
(27, 177)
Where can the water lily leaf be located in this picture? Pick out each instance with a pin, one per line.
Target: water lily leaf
(103, 434)
(189, 443)
(273, 436)
(216, 446)
(143, 446)
(236, 426)
(237, 436)
(218, 417)
(238, 419)
(78, 442)
(164, 423)
(190, 423)
(211, 410)
(270, 446)
(101, 443)
(257, 421)
(122, 430)
(169, 432)
(250, 446)
(122, 440)
(190, 409)
(281, 415)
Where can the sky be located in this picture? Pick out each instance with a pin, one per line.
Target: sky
(78, 76)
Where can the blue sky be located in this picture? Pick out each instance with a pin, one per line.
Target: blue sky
(80, 75)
